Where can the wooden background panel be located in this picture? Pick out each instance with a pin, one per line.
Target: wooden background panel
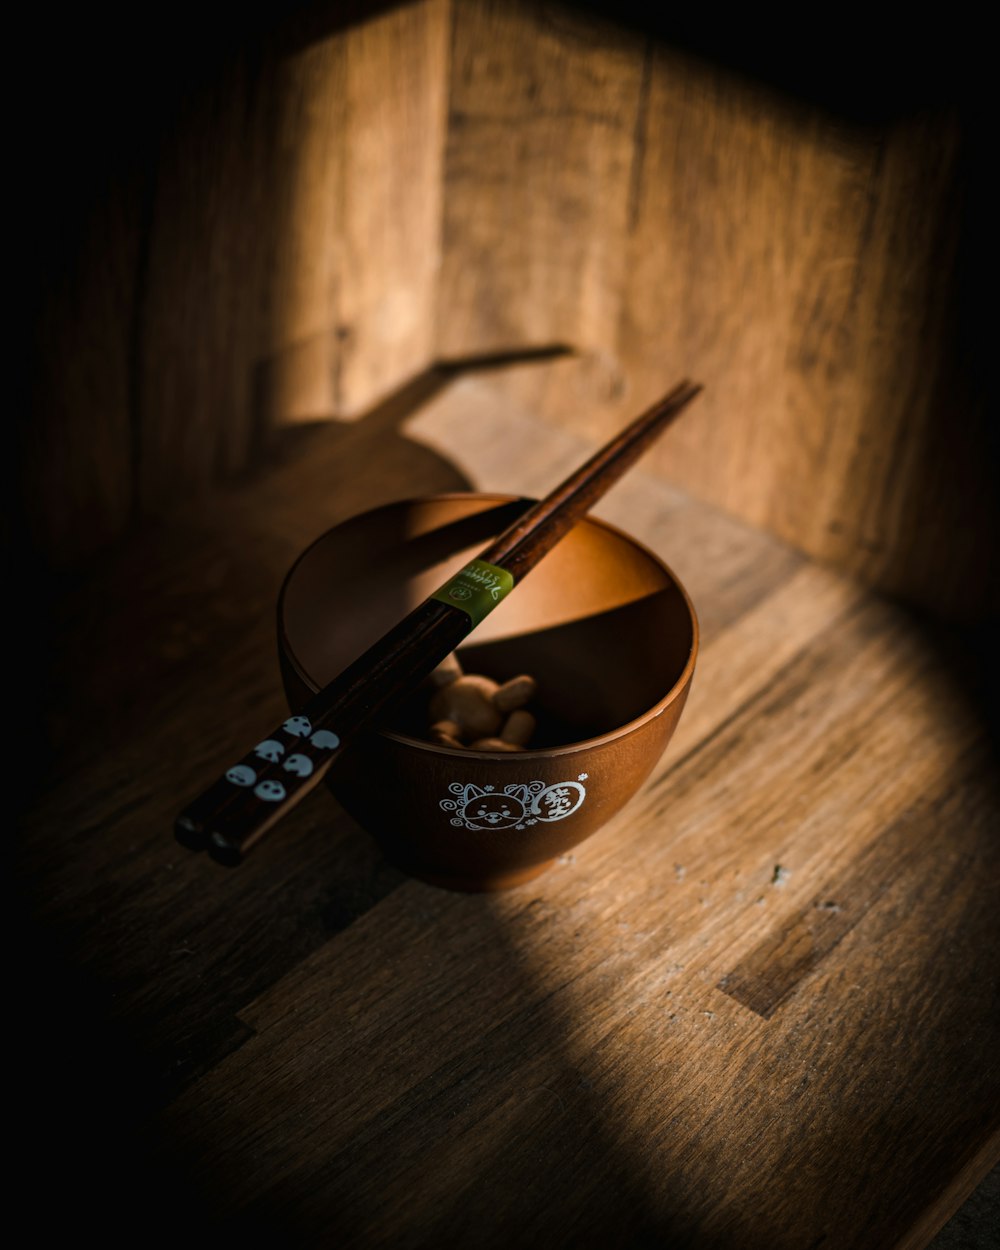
(394, 152)
(299, 348)
(294, 246)
(198, 319)
(917, 500)
(72, 463)
(538, 169)
(265, 251)
(742, 265)
(356, 248)
(808, 269)
(323, 218)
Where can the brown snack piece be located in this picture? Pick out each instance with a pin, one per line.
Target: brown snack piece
(519, 727)
(515, 693)
(494, 744)
(471, 708)
(468, 702)
(447, 733)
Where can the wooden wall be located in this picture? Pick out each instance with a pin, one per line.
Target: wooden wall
(335, 205)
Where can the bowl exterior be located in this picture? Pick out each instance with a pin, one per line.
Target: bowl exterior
(471, 821)
(609, 607)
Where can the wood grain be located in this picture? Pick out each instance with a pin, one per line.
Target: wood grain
(357, 247)
(315, 1046)
(322, 217)
(541, 117)
(198, 318)
(284, 280)
(771, 972)
(71, 467)
(814, 269)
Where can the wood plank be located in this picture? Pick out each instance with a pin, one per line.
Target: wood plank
(397, 75)
(581, 1022)
(812, 272)
(356, 247)
(154, 693)
(325, 209)
(164, 716)
(541, 116)
(199, 318)
(771, 972)
(295, 243)
(70, 488)
(322, 1048)
(977, 1219)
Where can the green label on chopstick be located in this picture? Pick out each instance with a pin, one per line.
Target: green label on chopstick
(477, 589)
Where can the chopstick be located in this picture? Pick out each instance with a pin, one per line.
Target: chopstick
(233, 814)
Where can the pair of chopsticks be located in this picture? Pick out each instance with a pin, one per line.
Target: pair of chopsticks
(254, 794)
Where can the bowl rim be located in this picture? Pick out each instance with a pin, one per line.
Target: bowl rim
(571, 748)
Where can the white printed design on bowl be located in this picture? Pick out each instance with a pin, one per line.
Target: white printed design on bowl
(514, 807)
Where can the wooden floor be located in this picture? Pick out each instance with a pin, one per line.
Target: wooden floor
(757, 1010)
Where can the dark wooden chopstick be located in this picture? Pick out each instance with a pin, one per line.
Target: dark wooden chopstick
(235, 812)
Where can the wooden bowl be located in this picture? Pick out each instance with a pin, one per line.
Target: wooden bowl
(602, 623)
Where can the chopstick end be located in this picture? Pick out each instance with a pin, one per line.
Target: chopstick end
(224, 852)
(189, 833)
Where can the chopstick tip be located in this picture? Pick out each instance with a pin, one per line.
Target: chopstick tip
(190, 834)
(223, 851)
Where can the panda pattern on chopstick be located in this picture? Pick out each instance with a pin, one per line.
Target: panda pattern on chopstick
(271, 751)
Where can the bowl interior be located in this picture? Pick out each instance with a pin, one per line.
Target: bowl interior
(600, 623)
